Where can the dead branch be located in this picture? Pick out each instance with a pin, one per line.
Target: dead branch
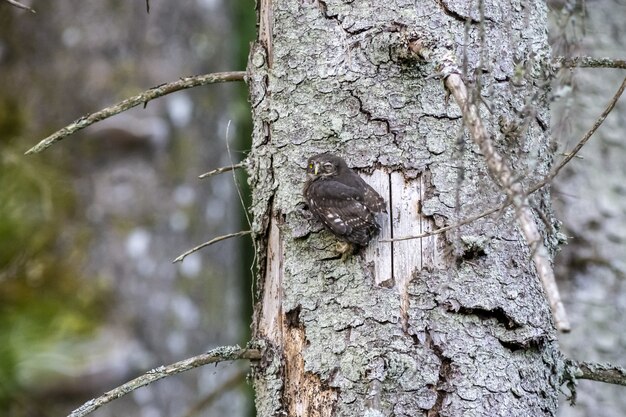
(209, 243)
(570, 155)
(143, 98)
(20, 5)
(229, 384)
(535, 187)
(222, 170)
(463, 222)
(587, 62)
(602, 372)
(503, 175)
(222, 354)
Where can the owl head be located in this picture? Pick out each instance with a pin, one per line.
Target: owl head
(325, 165)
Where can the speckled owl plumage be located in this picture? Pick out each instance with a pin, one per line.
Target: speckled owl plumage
(341, 199)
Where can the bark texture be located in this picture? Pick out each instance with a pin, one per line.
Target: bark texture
(590, 197)
(450, 325)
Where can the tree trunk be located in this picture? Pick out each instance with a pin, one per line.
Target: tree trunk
(454, 324)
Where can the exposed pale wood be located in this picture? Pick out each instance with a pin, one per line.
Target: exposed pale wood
(270, 324)
(406, 220)
(265, 27)
(432, 246)
(377, 253)
(305, 394)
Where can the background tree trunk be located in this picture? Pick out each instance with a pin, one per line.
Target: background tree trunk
(590, 199)
(452, 325)
(120, 201)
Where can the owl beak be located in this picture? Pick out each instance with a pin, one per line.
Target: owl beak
(317, 168)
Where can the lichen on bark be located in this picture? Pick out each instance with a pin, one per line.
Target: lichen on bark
(463, 329)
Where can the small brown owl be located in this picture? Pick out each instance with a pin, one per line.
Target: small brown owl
(341, 200)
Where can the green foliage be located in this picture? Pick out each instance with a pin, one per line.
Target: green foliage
(45, 304)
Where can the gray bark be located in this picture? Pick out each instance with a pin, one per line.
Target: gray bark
(590, 198)
(450, 325)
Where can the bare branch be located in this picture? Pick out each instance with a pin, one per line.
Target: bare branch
(222, 354)
(20, 5)
(463, 222)
(547, 180)
(229, 384)
(209, 243)
(222, 170)
(143, 98)
(602, 372)
(503, 175)
(588, 62)
(609, 107)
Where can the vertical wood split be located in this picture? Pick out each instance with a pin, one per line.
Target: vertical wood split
(394, 263)
(304, 395)
(271, 321)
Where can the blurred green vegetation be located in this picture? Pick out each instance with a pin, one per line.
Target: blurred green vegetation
(46, 305)
(244, 13)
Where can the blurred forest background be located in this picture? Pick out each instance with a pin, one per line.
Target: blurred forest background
(89, 297)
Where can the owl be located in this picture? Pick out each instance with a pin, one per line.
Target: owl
(341, 200)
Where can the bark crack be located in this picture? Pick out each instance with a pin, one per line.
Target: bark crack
(335, 17)
(455, 15)
(496, 313)
(370, 118)
(445, 373)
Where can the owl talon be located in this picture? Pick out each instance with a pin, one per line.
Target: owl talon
(345, 249)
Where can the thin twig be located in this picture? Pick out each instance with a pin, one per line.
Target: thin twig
(239, 193)
(602, 372)
(229, 384)
(209, 243)
(535, 187)
(503, 175)
(463, 222)
(20, 5)
(572, 154)
(222, 170)
(221, 354)
(588, 62)
(143, 98)
(245, 211)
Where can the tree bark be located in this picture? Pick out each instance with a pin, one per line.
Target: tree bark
(450, 325)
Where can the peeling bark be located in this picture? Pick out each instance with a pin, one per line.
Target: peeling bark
(448, 325)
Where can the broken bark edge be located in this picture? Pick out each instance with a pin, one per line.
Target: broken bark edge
(220, 354)
(601, 372)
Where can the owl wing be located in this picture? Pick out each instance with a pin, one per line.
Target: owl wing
(342, 209)
(371, 198)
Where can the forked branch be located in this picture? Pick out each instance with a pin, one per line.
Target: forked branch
(503, 175)
(535, 187)
(222, 354)
(143, 98)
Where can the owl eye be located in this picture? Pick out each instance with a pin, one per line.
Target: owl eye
(310, 166)
(328, 166)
